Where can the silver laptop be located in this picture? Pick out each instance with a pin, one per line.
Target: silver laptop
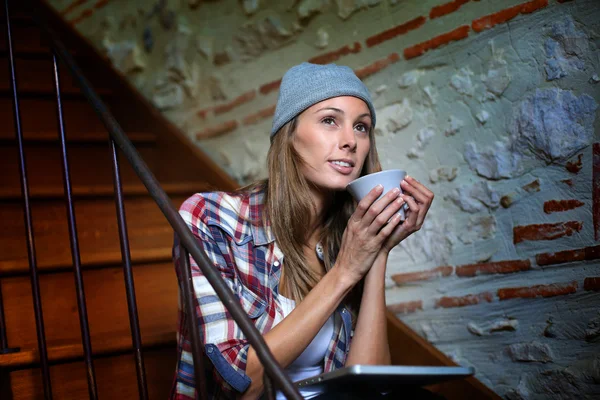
(384, 377)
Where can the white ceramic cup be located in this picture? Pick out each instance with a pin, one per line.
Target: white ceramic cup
(390, 179)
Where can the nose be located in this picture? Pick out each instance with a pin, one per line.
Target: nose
(348, 138)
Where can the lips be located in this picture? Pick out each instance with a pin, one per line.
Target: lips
(342, 166)
(344, 162)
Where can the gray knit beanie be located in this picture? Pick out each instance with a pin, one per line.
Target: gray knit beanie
(307, 84)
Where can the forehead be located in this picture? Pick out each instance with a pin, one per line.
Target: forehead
(348, 104)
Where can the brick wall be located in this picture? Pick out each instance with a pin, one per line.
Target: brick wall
(492, 103)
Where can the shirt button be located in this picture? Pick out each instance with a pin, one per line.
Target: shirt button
(276, 263)
(210, 350)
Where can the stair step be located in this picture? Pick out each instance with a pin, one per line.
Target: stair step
(156, 295)
(115, 377)
(36, 75)
(130, 189)
(89, 165)
(78, 114)
(150, 235)
(60, 354)
(138, 138)
(27, 37)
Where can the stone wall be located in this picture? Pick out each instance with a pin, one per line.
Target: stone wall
(493, 103)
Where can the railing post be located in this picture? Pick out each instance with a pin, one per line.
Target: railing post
(269, 388)
(4, 349)
(128, 275)
(81, 301)
(195, 334)
(35, 284)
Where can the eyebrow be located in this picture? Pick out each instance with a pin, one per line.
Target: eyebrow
(337, 110)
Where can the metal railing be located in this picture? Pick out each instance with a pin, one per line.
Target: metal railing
(118, 140)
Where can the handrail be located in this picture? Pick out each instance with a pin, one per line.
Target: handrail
(270, 364)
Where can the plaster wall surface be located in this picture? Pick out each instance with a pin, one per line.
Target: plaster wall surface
(493, 104)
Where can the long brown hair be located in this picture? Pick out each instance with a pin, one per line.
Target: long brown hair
(288, 202)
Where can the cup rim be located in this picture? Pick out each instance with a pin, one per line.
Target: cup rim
(375, 173)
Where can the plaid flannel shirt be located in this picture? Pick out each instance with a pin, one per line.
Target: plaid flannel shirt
(247, 256)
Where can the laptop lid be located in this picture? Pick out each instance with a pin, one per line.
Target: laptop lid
(384, 377)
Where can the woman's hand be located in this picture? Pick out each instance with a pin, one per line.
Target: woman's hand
(419, 200)
(368, 229)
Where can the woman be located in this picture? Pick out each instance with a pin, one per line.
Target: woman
(306, 262)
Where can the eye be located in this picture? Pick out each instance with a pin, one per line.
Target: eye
(328, 120)
(362, 128)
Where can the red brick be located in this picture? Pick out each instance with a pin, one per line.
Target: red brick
(84, 15)
(575, 166)
(468, 300)
(507, 14)
(446, 8)
(100, 4)
(545, 231)
(204, 113)
(418, 49)
(534, 5)
(241, 99)
(592, 283)
(73, 6)
(532, 187)
(217, 130)
(553, 206)
(596, 190)
(395, 31)
(499, 267)
(269, 87)
(422, 275)
(568, 182)
(560, 257)
(586, 253)
(377, 66)
(336, 54)
(555, 289)
(405, 308)
(260, 115)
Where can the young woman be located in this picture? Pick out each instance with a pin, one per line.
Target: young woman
(305, 260)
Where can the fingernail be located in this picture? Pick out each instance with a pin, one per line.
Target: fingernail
(395, 191)
(379, 186)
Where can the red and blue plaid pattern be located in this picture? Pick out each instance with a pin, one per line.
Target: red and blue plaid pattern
(229, 229)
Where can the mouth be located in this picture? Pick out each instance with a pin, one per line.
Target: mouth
(343, 166)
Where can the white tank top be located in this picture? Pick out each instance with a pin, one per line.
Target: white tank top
(310, 362)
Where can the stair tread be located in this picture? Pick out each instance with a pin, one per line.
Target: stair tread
(150, 235)
(129, 189)
(58, 353)
(48, 90)
(156, 291)
(115, 377)
(104, 259)
(74, 136)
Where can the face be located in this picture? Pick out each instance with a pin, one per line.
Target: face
(332, 137)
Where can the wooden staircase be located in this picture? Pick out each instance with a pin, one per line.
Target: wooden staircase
(180, 169)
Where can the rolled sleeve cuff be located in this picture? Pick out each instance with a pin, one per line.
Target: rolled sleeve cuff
(238, 380)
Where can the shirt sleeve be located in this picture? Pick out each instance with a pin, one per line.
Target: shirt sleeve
(224, 343)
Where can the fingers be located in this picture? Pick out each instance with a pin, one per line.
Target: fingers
(410, 224)
(390, 210)
(372, 215)
(417, 190)
(365, 203)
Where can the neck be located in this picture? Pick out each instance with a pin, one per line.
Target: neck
(322, 201)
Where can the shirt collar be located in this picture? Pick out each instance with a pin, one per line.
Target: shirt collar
(261, 234)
